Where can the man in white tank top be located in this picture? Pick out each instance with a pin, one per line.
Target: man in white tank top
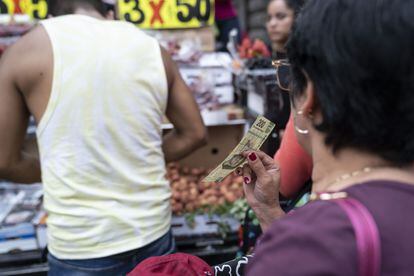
(98, 90)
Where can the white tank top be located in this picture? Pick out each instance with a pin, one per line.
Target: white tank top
(100, 139)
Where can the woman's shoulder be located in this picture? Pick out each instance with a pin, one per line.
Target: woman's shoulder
(314, 238)
(380, 197)
(321, 238)
(322, 215)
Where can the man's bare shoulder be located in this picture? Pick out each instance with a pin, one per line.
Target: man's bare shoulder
(31, 44)
(31, 54)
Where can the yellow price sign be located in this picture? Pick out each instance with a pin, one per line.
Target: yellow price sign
(167, 14)
(36, 9)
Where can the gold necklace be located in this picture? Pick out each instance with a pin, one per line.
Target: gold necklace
(352, 174)
(338, 195)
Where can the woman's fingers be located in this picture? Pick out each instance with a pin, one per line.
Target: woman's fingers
(248, 185)
(239, 171)
(268, 162)
(247, 174)
(256, 164)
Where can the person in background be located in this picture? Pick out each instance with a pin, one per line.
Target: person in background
(356, 125)
(226, 20)
(280, 17)
(98, 90)
(295, 164)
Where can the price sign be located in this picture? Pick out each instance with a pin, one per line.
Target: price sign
(167, 14)
(36, 9)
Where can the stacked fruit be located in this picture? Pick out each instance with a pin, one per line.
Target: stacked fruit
(255, 49)
(190, 194)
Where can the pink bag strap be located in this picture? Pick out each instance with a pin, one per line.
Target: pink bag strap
(367, 236)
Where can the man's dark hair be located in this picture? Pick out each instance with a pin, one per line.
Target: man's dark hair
(63, 7)
(359, 55)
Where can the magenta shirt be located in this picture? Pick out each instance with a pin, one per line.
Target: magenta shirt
(224, 9)
(318, 239)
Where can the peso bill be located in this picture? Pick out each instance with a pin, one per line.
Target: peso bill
(253, 140)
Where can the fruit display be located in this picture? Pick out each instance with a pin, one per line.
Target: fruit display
(255, 49)
(190, 194)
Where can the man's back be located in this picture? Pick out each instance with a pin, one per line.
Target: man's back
(99, 136)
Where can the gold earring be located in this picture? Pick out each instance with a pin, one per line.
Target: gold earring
(301, 131)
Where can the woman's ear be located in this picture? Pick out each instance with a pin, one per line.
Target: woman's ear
(309, 101)
(306, 103)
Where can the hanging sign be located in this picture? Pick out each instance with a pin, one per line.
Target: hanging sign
(36, 9)
(167, 14)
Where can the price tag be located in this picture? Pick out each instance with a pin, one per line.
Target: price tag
(36, 9)
(167, 14)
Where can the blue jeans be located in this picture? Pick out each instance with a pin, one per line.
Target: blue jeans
(119, 264)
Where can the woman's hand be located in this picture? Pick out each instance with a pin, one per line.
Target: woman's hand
(261, 186)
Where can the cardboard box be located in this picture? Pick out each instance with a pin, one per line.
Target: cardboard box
(221, 141)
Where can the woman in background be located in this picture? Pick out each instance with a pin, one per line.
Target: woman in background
(280, 17)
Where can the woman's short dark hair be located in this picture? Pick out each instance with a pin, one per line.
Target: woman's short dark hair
(64, 7)
(359, 56)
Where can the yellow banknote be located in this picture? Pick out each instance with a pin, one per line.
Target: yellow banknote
(253, 140)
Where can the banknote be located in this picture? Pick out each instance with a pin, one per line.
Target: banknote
(253, 140)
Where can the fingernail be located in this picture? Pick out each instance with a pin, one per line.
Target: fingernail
(252, 156)
(246, 180)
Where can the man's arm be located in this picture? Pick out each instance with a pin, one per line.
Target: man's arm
(189, 132)
(16, 164)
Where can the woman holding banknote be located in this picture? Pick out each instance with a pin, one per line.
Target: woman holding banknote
(356, 125)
